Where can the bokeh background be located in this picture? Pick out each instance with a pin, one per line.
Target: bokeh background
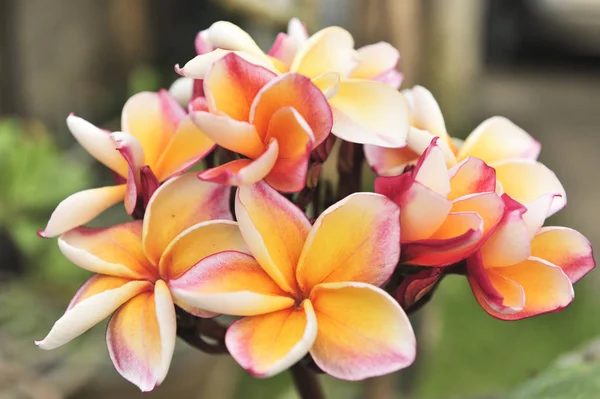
(536, 62)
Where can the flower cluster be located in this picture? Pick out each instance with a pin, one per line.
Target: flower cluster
(331, 290)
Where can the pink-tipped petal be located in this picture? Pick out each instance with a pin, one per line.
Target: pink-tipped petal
(132, 151)
(81, 208)
(537, 211)
(114, 251)
(287, 45)
(268, 344)
(152, 119)
(471, 176)
(231, 85)
(295, 139)
(243, 172)
(566, 248)
(375, 60)
(351, 343)
(228, 36)
(547, 288)
(274, 229)
(188, 146)
(509, 244)
(485, 292)
(297, 91)
(422, 210)
(369, 112)
(141, 337)
(240, 137)
(391, 77)
(177, 205)
(96, 300)
(431, 170)
(198, 242)
(329, 50)
(198, 67)
(526, 181)
(497, 139)
(232, 283)
(356, 239)
(97, 142)
(202, 43)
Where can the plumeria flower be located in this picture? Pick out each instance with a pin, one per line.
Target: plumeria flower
(309, 289)
(274, 121)
(365, 110)
(135, 264)
(497, 141)
(445, 214)
(158, 140)
(523, 270)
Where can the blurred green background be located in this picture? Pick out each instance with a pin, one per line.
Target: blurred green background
(534, 61)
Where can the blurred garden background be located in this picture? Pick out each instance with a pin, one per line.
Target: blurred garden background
(536, 62)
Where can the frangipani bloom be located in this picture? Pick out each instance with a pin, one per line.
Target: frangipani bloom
(365, 110)
(273, 120)
(497, 141)
(444, 214)
(309, 289)
(158, 140)
(523, 270)
(136, 263)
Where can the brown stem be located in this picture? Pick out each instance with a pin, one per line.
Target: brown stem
(350, 169)
(306, 382)
(195, 330)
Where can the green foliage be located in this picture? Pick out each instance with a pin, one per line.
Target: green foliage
(36, 176)
(143, 78)
(574, 376)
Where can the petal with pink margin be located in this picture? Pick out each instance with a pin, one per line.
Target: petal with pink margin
(287, 45)
(240, 137)
(232, 283)
(369, 112)
(356, 239)
(526, 181)
(497, 139)
(231, 85)
(243, 172)
(351, 343)
(547, 288)
(416, 286)
(329, 50)
(275, 230)
(198, 242)
(295, 140)
(471, 176)
(177, 205)
(268, 344)
(228, 36)
(509, 244)
(132, 151)
(566, 248)
(81, 208)
(391, 77)
(422, 211)
(141, 337)
(198, 67)
(95, 300)
(431, 170)
(114, 251)
(297, 91)
(97, 143)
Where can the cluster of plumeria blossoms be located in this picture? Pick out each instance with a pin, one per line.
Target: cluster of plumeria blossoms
(329, 292)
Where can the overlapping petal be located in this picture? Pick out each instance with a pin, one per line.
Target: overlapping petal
(141, 337)
(177, 205)
(351, 343)
(356, 239)
(274, 229)
(115, 251)
(230, 282)
(296, 91)
(82, 207)
(376, 60)
(497, 139)
(96, 300)
(370, 112)
(268, 344)
(471, 176)
(565, 248)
